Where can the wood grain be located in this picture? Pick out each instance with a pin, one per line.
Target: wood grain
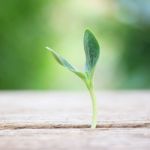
(59, 120)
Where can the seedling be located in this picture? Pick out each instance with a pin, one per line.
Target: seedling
(91, 48)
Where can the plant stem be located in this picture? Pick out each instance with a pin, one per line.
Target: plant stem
(90, 87)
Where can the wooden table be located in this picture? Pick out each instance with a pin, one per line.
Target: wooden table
(61, 120)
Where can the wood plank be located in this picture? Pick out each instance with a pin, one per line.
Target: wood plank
(59, 109)
(75, 139)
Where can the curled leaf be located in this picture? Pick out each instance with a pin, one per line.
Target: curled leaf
(62, 61)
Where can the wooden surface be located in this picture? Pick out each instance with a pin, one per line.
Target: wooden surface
(61, 120)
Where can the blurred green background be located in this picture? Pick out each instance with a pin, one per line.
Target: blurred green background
(122, 28)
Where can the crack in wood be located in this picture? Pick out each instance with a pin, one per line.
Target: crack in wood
(69, 126)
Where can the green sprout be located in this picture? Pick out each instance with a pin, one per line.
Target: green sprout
(91, 48)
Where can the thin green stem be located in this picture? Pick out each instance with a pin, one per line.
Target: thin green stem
(90, 87)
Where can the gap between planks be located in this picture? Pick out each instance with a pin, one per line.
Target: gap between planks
(15, 126)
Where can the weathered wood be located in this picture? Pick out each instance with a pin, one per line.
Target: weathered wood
(75, 139)
(47, 120)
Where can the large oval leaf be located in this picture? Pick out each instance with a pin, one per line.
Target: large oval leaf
(91, 48)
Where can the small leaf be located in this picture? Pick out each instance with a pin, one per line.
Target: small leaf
(62, 61)
(91, 48)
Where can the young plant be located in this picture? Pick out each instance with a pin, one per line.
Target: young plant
(92, 49)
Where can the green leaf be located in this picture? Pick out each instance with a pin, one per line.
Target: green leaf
(62, 61)
(91, 48)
